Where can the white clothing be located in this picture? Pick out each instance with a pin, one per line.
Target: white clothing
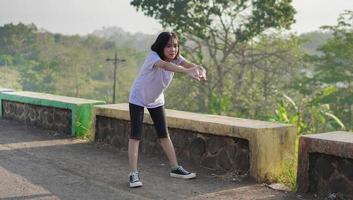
(149, 85)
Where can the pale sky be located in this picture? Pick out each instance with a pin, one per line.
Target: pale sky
(84, 16)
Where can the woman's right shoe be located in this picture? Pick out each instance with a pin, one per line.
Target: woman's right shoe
(134, 180)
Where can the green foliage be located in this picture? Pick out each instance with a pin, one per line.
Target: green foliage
(65, 65)
(309, 116)
(247, 18)
(17, 38)
(220, 35)
(9, 78)
(332, 68)
(289, 170)
(245, 79)
(219, 105)
(246, 84)
(6, 60)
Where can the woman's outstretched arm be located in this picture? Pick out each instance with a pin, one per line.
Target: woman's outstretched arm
(194, 72)
(188, 64)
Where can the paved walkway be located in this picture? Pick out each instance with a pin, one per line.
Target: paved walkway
(40, 164)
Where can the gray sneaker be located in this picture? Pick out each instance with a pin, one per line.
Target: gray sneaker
(180, 172)
(134, 180)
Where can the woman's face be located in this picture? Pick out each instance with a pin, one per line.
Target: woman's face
(171, 50)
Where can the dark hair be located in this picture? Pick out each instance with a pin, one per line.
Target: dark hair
(162, 41)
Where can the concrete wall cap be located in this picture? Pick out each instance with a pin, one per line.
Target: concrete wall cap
(336, 136)
(51, 97)
(205, 123)
(225, 120)
(6, 90)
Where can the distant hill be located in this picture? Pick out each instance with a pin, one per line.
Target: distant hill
(138, 41)
(313, 40)
(141, 41)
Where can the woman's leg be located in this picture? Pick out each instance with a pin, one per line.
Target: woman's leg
(160, 124)
(136, 117)
(168, 148)
(133, 154)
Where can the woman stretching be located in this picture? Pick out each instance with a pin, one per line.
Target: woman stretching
(154, 77)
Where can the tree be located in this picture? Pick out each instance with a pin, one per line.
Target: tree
(243, 19)
(17, 39)
(214, 31)
(333, 68)
(255, 77)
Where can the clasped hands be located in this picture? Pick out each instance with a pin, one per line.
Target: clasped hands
(197, 72)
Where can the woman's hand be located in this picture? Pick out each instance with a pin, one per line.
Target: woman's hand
(202, 73)
(194, 72)
(197, 73)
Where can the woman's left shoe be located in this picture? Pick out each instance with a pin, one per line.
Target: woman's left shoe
(180, 172)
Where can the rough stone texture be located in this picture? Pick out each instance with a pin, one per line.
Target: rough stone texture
(216, 153)
(325, 163)
(51, 118)
(270, 144)
(331, 175)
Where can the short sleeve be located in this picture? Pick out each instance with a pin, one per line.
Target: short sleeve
(179, 60)
(151, 59)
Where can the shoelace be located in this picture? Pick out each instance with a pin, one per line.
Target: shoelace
(183, 170)
(135, 177)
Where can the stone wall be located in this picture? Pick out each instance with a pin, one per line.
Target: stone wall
(325, 165)
(213, 141)
(56, 119)
(331, 176)
(219, 154)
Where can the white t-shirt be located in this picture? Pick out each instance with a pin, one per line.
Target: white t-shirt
(148, 87)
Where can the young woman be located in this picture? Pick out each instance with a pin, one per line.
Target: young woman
(154, 77)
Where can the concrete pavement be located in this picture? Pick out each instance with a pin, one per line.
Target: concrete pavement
(41, 164)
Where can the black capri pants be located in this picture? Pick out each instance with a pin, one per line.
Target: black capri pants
(158, 118)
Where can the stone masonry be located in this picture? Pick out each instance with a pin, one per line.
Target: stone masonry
(325, 165)
(216, 142)
(59, 113)
(331, 175)
(216, 153)
(56, 119)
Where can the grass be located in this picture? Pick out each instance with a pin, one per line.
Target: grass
(288, 176)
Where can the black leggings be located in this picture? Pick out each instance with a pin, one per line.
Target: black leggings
(158, 118)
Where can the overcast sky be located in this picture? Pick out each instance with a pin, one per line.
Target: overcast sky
(84, 16)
